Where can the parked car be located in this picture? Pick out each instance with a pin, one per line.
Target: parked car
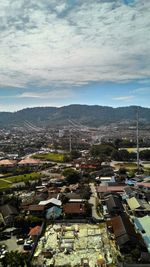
(20, 241)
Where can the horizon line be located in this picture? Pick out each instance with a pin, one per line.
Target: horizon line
(90, 105)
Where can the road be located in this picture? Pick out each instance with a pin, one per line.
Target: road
(92, 201)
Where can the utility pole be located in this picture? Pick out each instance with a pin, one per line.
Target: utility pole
(70, 141)
(137, 138)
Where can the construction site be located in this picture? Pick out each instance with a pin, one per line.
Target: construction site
(75, 245)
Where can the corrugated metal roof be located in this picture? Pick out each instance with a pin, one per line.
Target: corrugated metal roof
(52, 201)
(74, 208)
(104, 189)
(133, 203)
(143, 223)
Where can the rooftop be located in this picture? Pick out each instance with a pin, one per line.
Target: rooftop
(143, 226)
(29, 161)
(71, 208)
(50, 201)
(7, 162)
(73, 244)
(105, 188)
(35, 231)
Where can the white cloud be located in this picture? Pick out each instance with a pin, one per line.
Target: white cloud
(123, 98)
(57, 94)
(46, 42)
(141, 90)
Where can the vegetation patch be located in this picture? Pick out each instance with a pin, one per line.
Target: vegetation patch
(7, 182)
(147, 171)
(127, 165)
(4, 183)
(134, 149)
(57, 157)
(24, 177)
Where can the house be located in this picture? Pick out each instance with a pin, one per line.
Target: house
(114, 205)
(138, 206)
(41, 194)
(144, 186)
(50, 202)
(107, 188)
(143, 227)
(37, 210)
(129, 191)
(29, 162)
(74, 209)
(8, 212)
(104, 180)
(74, 196)
(130, 182)
(53, 190)
(53, 213)
(125, 234)
(34, 232)
(7, 163)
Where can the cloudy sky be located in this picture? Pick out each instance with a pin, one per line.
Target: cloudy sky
(60, 52)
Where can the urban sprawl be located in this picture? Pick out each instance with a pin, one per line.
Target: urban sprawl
(75, 196)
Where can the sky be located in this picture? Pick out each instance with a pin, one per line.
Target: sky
(62, 52)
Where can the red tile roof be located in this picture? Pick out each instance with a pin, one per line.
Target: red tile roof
(29, 161)
(35, 231)
(7, 162)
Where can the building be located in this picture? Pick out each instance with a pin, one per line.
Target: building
(74, 209)
(29, 162)
(50, 202)
(138, 207)
(143, 227)
(114, 205)
(8, 212)
(125, 234)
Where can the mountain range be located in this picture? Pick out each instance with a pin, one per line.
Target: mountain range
(93, 116)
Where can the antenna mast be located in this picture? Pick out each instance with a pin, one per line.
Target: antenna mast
(70, 141)
(137, 138)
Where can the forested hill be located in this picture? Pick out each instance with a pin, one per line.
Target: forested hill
(84, 114)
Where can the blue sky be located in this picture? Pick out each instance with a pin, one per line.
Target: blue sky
(56, 53)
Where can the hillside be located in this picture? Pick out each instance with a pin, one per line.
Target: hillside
(84, 114)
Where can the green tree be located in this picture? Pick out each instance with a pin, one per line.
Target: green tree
(14, 259)
(124, 155)
(145, 155)
(115, 155)
(75, 154)
(103, 151)
(72, 176)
